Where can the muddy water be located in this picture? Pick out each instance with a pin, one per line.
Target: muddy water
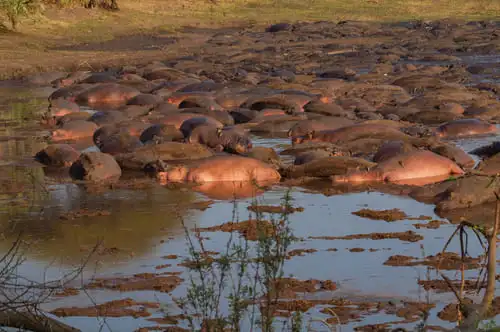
(137, 228)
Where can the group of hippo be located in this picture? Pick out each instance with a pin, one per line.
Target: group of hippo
(182, 126)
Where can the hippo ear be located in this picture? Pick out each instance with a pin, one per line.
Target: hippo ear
(219, 132)
(310, 134)
(289, 133)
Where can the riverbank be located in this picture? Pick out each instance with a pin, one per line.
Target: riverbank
(142, 31)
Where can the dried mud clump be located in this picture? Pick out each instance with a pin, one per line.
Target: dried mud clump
(145, 281)
(205, 259)
(67, 292)
(441, 286)
(433, 224)
(387, 215)
(289, 287)
(450, 312)
(274, 209)
(118, 308)
(443, 261)
(168, 320)
(250, 229)
(409, 236)
(300, 252)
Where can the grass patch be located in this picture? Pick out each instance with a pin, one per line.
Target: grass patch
(31, 49)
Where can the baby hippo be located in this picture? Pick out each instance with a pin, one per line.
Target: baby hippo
(221, 169)
(230, 140)
(74, 130)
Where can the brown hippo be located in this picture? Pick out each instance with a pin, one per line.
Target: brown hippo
(178, 97)
(303, 127)
(267, 155)
(72, 117)
(119, 142)
(391, 149)
(107, 117)
(222, 116)
(160, 133)
(200, 102)
(425, 166)
(95, 167)
(107, 94)
(308, 156)
(74, 130)
(222, 169)
(190, 124)
(176, 119)
(465, 127)
(145, 99)
(69, 92)
(60, 107)
(58, 155)
(350, 133)
(230, 140)
(277, 101)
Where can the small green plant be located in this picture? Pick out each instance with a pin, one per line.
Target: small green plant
(246, 277)
(15, 9)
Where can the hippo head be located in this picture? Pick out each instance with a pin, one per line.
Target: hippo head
(61, 134)
(235, 142)
(302, 138)
(176, 174)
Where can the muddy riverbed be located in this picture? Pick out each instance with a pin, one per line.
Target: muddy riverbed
(364, 258)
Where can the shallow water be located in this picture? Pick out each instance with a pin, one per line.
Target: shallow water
(144, 225)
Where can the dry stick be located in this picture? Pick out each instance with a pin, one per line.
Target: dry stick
(33, 322)
(492, 249)
(446, 246)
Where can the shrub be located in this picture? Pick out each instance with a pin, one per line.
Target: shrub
(15, 9)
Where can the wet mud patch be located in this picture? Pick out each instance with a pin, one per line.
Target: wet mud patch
(118, 308)
(441, 286)
(443, 261)
(409, 236)
(274, 209)
(387, 215)
(163, 282)
(433, 224)
(251, 229)
(300, 252)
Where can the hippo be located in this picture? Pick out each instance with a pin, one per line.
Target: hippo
(350, 133)
(74, 130)
(190, 124)
(308, 156)
(99, 78)
(230, 140)
(200, 102)
(119, 142)
(95, 167)
(195, 99)
(160, 133)
(224, 117)
(60, 107)
(425, 166)
(133, 128)
(267, 155)
(145, 99)
(464, 128)
(276, 101)
(221, 169)
(58, 155)
(72, 117)
(324, 123)
(107, 117)
(177, 119)
(107, 94)
(69, 92)
(391, 149)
